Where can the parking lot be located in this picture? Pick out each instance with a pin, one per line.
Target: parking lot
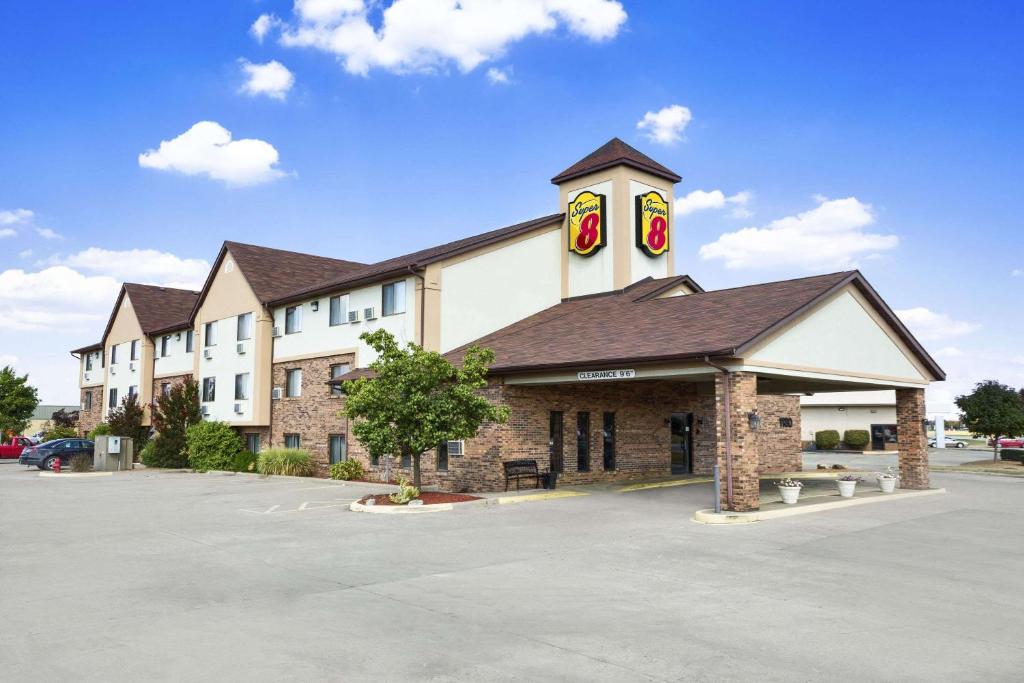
(177, 576)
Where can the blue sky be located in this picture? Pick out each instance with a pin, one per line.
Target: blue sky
(874, 135)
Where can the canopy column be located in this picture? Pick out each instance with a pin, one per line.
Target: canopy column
(735, 400)
(912, 439)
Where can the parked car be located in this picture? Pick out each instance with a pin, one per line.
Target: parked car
(1008, 442)
(14, 447)
(46, 454)
(950, 443)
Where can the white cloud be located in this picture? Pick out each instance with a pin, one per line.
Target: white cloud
(429, 35)
(498, 76)
(25, 253)
(948, 352)
(666, 125)
(701, 200)
(829, 236)
(7, 232)
(1017, 272)
(207, 149)
(15, 216)
(55, 298)
(48, 234)
(7, 359)
(261, 27)
(929, 325)
(272, 79)
(147, 266)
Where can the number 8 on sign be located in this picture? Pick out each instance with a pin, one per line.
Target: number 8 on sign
(587, 226)
(652, 223)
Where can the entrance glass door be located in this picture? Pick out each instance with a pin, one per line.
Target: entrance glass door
(682, 443)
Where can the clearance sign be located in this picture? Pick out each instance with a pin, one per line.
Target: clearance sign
(652, 223)
(587, 223)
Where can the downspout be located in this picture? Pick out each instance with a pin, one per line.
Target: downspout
(726, 400)
(423, 300)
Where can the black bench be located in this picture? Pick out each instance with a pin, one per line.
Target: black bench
(518, 470)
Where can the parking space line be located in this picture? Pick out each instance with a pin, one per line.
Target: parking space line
(306, 506)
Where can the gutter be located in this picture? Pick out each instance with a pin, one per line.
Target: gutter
(727, 400)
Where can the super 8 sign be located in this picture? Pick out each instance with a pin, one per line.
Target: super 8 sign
(652, 223)
(587, 223)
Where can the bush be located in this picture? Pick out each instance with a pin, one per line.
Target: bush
(347, 469)
(81, 463)
(99, 430)
(146, 454)
(173, 413)
(406, 492)
(288, 461)
(857, 439)
(1014, 454)
(59, 433)
(826, 439)
(244, 462)
(212, 446)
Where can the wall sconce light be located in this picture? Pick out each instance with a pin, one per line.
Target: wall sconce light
(315, 306)
(754, 420)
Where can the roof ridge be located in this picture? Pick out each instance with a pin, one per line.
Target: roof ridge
(263, 247)
(160, 287)
(844, 273)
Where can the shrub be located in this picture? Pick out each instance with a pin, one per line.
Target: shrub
(146, 454)
(59, 433)
(1014, 454)
(99, 430)
(244, 462)
(288, 461)
(173, 413)
(406, 492)
(126, 420)
(212, 446)
(826, 439)
(856, 439)
(347, 469)
(81, 463)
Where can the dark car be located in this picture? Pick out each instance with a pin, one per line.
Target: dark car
(46, 454)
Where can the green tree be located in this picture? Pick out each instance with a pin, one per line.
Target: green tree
(17, 401)
(126, 420)
(64, 419)
(173, 413)
(992, 410)
(416, 399)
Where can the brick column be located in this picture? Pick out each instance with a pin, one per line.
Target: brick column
(910, 435)
(742, 400)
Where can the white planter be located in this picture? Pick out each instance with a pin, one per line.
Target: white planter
(846, 488)
(790, 494)
(887, 485)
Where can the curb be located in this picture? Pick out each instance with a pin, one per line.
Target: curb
(286, 477)
(401, 509)
(709, 516)
(68, 475)
(531, 497)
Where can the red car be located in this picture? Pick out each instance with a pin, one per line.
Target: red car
(1009, 442)
(14, 447)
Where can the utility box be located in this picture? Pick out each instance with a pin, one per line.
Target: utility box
(112, 454)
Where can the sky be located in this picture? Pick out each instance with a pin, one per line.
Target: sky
(811, 137)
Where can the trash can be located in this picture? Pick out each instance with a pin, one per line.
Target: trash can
(551, 480)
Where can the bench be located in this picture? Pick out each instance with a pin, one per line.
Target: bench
(517, 470)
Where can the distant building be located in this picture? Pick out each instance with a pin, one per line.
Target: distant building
(42, 415)
(874, 411)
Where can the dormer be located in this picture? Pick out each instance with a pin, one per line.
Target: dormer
(619, 223)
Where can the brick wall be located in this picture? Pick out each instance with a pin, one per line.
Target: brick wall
(172, 380)
(779, 447)
(910, 434)
(314, 414)
(88, 419)
(743, 399)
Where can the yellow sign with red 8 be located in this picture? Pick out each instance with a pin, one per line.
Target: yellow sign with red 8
(587, 224)
(652, 223)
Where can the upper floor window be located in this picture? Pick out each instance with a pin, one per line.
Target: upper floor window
(209, 389)
(339, 309)
(189, 341)
(293, 319)
(293, 385)
(394, 298)
(165, 342)
(135, 349)
(88, 362)
(210, 334)
(244, 326)
(133, 393)
(113, 354)
(242, 387)
(112, 398)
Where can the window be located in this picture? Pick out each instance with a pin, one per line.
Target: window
(293, 319)
(133, 393)
(608, 434)
(209, 389)
(244, 330)
(210, 334)
(406, 461)
(112, 399)
(135, 349)
(87, 401)
(582, 442)
(339, 310)
(252, 442)
(442, 456)
(394, 298)
(113, 355)
(88, 362)
(336, 372)
(189, 339)
(338, 449)
(165, 388)
(242, 387)
(555, 425)
(165, 341)
(292, 441)
(293, 385)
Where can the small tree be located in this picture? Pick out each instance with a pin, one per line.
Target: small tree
(126, 420)
(417, 399)
(64, 419)
(17, 401)
(992, 410)
(173, 413)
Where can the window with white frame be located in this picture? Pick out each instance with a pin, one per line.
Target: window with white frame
(135, 349)
(113, 354)
(88, 362)
(210, 334)
(209, 389)
(112, 399)
(293, 319)
(339, 309)
(293, 385)
(133, 393)
(337, 371)
(242, 386)
(244, 330)
(189, 341)
(393, 298)
(165, 342)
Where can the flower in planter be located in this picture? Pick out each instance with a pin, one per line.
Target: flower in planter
(890, 473)
(850, 477)
(790, 483)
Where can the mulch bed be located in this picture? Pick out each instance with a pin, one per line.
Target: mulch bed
(428, 498)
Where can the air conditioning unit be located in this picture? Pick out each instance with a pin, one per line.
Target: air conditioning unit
(238, 409)
(113, 370)
(205, 410)
(275, 332)
(240, 347)
(456, 448)
(131, 366)
(277, 393)
(369, 313)
(207, 354)
(353, 316)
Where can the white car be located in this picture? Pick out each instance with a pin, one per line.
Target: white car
(950, 443)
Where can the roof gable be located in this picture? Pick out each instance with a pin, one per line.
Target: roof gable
(156, 309)
(613, 153)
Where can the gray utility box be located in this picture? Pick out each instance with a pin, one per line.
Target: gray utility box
(112, 454)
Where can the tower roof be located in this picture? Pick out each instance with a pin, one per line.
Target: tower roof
(613, 153)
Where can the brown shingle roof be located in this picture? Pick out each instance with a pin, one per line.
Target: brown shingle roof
(612, 153)
(160, 308)
(628, 326)
(272, 273)
(91, 347)
(417, 259)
